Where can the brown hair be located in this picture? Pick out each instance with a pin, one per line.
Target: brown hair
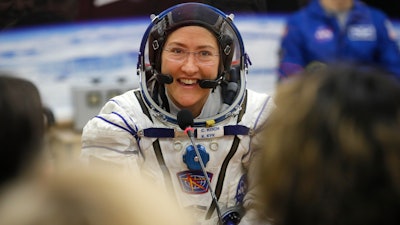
(332, 149)
(80, 195)
(21, 124)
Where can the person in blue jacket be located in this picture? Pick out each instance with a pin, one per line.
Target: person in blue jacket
(327, 31)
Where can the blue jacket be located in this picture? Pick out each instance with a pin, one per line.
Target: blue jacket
(313, 37)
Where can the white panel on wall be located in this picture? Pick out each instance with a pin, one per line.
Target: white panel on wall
(67, 58)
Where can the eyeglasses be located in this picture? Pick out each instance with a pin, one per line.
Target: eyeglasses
(204, 57)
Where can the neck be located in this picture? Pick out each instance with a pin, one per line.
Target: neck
(195, 109)
(336, 5)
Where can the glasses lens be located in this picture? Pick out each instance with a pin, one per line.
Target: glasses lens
(202, 57)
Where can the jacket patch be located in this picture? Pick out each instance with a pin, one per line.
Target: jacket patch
(323, 34)
(194, 182)
(362, 33)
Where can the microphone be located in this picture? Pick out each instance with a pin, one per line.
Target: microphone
(185, 122)
(232, 215)
(185, 119)
(168, 79)
(164, 78)
(209, 83)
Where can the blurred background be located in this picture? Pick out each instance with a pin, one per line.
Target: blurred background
(79, 10)
(81, 53)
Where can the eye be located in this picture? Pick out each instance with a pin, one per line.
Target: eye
(205, 53)
(177, 51)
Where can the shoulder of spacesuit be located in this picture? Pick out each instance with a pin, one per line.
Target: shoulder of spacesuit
(122, 112)
(259, 106)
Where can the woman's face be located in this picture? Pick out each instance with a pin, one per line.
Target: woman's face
(190, 54)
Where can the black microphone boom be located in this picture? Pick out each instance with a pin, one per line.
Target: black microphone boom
(164, 78)
(211, 84)
(208, 84)
(185, 122)
(232, 215)
(168, 79)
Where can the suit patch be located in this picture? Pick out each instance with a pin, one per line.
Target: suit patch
(323, 34)
(362, 33)
(194, 182)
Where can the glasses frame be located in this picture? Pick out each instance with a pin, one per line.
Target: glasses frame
(185, 54)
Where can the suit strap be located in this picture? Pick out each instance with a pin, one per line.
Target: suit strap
(157, 148)
(232, 151)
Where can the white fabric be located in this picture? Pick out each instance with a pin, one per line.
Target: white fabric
(109, 142)
(212, 106)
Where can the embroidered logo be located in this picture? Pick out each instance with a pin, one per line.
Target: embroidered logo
(323, 34)
(194, 182)
(362, 33)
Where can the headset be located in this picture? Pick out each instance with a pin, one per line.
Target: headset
(232, 69)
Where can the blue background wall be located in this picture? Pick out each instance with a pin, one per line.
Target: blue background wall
(58, 59)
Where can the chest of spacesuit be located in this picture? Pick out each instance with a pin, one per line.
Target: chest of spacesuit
(174, 163)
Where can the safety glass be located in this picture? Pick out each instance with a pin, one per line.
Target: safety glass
(205, 57)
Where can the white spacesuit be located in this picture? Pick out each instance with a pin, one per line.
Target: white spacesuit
(139, 131)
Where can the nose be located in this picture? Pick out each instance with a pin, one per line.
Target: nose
(190, 64)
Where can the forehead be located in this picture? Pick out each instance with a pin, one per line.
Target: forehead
(196, 35)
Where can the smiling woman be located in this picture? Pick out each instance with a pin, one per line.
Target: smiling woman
(188, 71)
(223, 71)
(191, 59)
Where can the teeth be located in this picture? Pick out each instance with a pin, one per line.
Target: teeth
(188, 81)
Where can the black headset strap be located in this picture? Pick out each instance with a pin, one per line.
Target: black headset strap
(142, 104)
(232, 151)
(221, 177)
(244, 106)
(157, 148)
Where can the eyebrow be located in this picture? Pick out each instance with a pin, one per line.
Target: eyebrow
(172, 44)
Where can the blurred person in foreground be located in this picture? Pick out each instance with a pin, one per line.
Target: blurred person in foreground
(22, 126)
(331, 31)
(332, 149)
(191, 59)
(78, 195)
(72, 194)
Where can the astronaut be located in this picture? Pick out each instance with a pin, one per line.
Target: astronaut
(337, 31)
(191, 57)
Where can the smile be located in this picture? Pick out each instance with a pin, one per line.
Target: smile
(188, 81)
